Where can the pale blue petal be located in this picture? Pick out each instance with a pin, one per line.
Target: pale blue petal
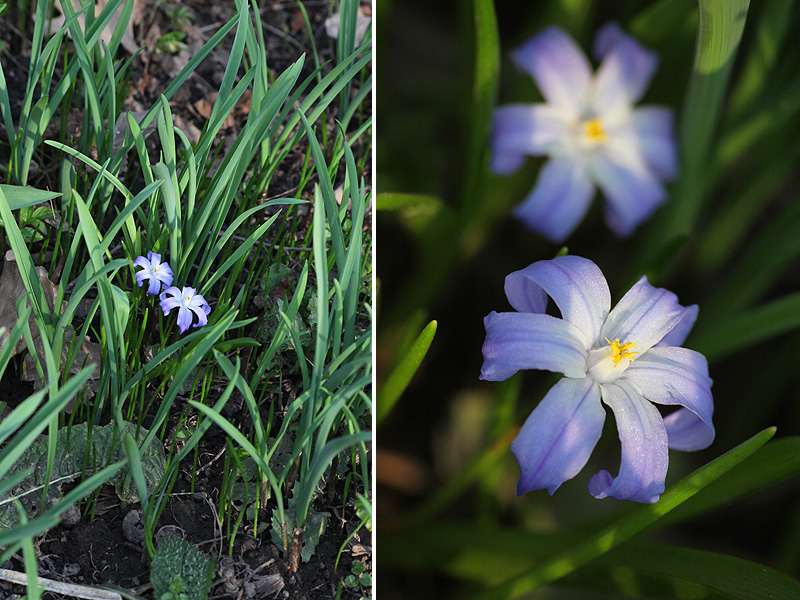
(679, 333)
(141, 276)
(644, 315)
(654, 128)
(559, 67)
(521, 130)
(199, 306)
(559, 200)
(625, 72)
(686, 431)
(677, 376)
(141, 261)
(184, 318)
(577, 286)
(153, 257)
(644, 448)
(559, 435)
(632, 191)
(517, 341)
(155, 286)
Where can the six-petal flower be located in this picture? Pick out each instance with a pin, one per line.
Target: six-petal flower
(627, 357)
(186, 300)
(154, 270)
(591, 132)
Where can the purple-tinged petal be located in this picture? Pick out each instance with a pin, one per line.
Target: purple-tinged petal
(155, 286)
(559, 67)
(625, 72)
(517, 341)
(153, 257)
(644, 448)
(559, 200)
(671, 375)
(577, 286)
(184, 318)
(140, 277)
(164, 274)
(686, 431)
(201, 308)
(632, 191)
(559, 435)
(521, 130)
(644, 315)
(141, 261)
(654, 130)
(679, 333)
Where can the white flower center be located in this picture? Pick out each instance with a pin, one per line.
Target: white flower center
(593, 131)
(606, 364)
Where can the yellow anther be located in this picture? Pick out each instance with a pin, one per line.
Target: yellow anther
(593, 129)
(620, 351)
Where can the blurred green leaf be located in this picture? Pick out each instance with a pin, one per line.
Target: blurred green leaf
(760, 265)
(659, 20)
(719, 32)
(418, 211)
(398, 380)
(768, 465)
(490, 554)
(757, 325)
(484, 94)
(628, 526)
(770, 32)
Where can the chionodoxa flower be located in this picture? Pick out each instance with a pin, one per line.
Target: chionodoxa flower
(187, 301)
(154, 270)
(627, 357)
(591, 132)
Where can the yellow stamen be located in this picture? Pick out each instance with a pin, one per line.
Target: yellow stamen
(620, 351)
(593, 129)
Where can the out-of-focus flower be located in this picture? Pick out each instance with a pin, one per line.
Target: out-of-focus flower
(186, 301)
(627, 357)
(591, 132)
(154, 270)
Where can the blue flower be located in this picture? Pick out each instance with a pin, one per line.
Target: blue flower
(186, 301)
(591, 132)
(154, 270)
(627, 357)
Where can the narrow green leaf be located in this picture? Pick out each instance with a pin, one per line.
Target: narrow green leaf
(484, 94)
(18, 196)
(398, 380)
(628, 526)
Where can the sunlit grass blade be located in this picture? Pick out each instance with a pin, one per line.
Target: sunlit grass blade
(596, 545)
(397, 381)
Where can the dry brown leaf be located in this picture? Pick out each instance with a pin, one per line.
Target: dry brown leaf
(11, 289)
(127, 41)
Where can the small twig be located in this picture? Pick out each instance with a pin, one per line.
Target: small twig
(284, 35)
(59, 587)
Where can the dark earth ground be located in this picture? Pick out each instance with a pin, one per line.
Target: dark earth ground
(97, 550)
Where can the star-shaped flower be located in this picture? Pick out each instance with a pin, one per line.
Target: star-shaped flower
(591, 132)
(627, 357)
(186, 301)
(154, 270)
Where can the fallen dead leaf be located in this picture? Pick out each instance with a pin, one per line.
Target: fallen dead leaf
(11, 289)
(127, 41)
